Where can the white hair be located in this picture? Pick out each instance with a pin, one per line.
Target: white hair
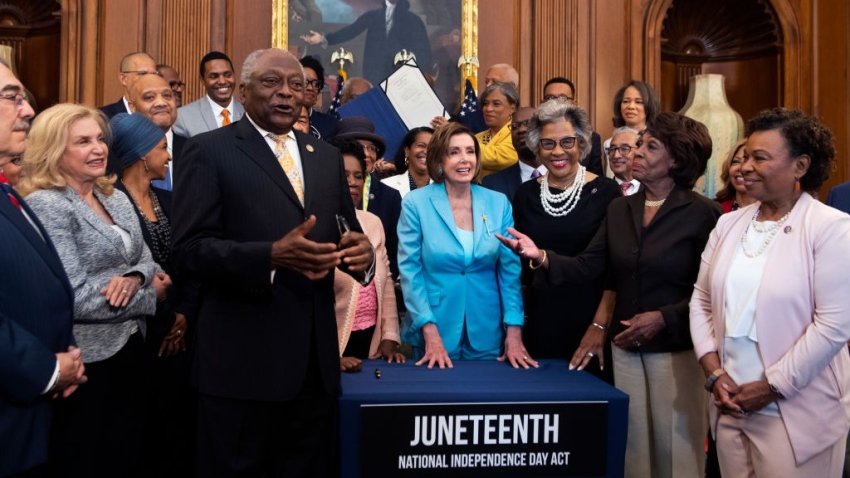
(251, 62)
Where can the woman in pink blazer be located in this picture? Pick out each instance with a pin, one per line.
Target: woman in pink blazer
(770, 312)
(366, 317)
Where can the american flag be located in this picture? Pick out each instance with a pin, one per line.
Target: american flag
(335, 104)
(470, 114)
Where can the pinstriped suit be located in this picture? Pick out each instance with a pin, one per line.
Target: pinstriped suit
(36, 307)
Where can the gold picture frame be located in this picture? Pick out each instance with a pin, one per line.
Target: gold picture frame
(468, 61)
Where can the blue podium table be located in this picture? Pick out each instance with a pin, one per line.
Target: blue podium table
(480, 419)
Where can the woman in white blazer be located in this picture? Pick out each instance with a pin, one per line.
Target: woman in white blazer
(410, 160)
(770, 316)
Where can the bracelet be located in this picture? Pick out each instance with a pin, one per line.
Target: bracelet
(599, 326)
(542, 261)
(712, 379)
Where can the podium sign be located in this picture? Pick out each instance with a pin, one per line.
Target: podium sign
(497, 440)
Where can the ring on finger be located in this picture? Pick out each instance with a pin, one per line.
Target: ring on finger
(591, 354)
(125, 291)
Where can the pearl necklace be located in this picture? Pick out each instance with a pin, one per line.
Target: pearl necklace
(771, 231)
(658, 203)
(569, 197)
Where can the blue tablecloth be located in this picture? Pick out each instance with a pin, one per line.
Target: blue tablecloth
(478, 382)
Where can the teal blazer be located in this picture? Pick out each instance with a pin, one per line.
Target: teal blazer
(483, 297)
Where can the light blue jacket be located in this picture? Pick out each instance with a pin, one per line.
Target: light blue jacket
(439, 288)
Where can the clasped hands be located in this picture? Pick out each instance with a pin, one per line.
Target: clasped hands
(121, 289)
(71, 373)
(740, 400)
(316, 259)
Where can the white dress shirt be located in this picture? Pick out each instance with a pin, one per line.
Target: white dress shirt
(525, 171)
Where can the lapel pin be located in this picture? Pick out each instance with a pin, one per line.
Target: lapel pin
(787, 229)
(309, 148)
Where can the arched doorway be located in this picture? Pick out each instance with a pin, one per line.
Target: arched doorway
(793, 80)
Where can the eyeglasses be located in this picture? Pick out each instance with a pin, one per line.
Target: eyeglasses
(624, 149)
(142, 72)
(315, 84)
(295, 84)
(567, 142)
(517, 124)
(370, 147)
(558, 97)
(174, 84)
(17, 98)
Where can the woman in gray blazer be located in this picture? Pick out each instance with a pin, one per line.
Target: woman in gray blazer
(116, 285)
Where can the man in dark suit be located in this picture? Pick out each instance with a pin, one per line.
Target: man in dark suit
(389, 29)
(258, 220)
(153, 97)
(528, 167)
(563, 89)
(37, 358)
(839, 197)
(378, 198)
(133, 66)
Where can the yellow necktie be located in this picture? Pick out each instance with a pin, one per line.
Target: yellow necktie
(226, 117)
(288, 164)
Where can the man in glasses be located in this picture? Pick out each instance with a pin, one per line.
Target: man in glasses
(528, 167)
(314, 74)
(133, 66)
(217, 108)
(563, 89)
(38, 362)
(173, 78)
(620, 156)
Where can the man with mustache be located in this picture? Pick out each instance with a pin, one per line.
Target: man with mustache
(153, 97)
(217, 108)
(528, 167)
(621, 153)
(38, 359)
(261, 219)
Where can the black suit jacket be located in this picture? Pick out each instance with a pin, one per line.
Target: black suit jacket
(593, 161)
(506, 181)
(385, 202)
(324, 123)
(407, 32)
(36, 314)
(255, 337)
(652, 268)
(113, 109)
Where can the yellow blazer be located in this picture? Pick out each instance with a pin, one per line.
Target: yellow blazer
(347, 291)
(499, 153)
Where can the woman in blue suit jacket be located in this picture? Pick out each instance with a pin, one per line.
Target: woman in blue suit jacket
(461, 285)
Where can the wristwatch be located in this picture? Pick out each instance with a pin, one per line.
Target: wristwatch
(709, 382)
(775, 391)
